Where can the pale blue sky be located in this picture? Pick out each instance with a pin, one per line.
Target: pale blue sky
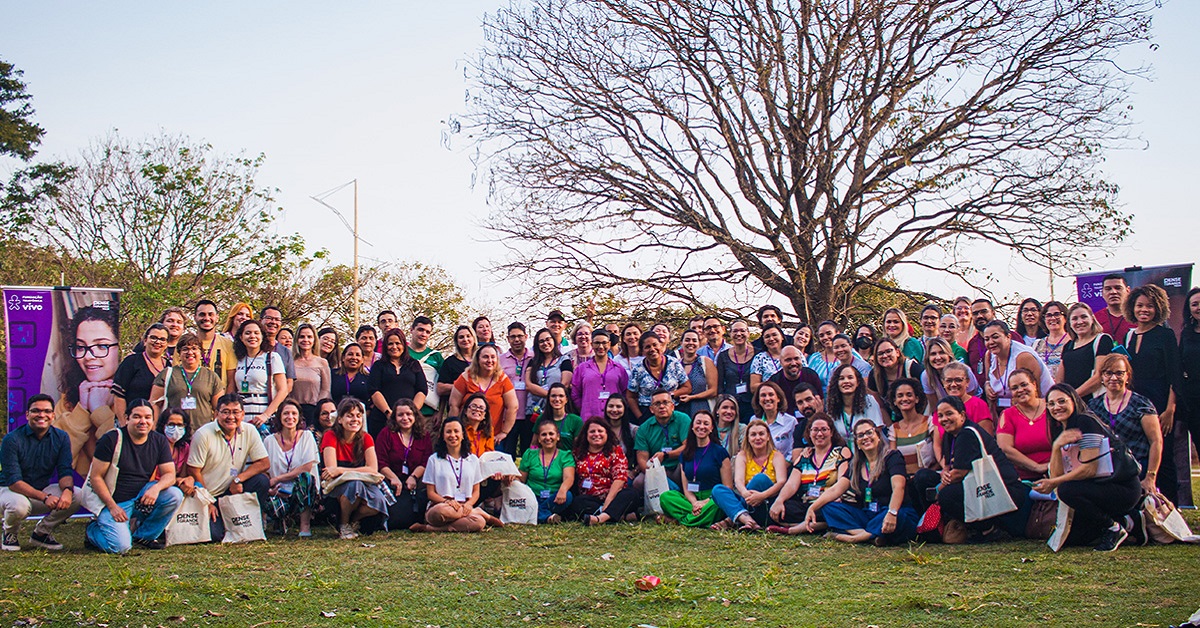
(336, 91)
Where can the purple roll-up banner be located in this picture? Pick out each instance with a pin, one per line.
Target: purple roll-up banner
(64, 342)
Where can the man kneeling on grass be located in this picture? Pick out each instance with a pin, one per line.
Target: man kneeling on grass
(137, 452)
(29, 455)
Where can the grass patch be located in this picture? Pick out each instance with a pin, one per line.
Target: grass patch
(555, 576)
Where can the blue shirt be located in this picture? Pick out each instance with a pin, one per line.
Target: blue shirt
(704, 467)
(26, 458)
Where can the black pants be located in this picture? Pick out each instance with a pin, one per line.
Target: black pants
(257, 484)
(952, 501)
(408, 509)
(795, 510)
(624, 502)
(918, 488)
(1098, 504)
(518, 439)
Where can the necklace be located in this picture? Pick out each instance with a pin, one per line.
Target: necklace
(1036, 413)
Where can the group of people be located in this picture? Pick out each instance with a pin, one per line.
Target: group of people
(857, 435)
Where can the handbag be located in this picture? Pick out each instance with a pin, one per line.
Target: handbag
(656, 484)
(242, 516)
(984, 493)
(1103, 459)
(366, 477)
(493, 462)
(87, 495)
(518, 504)
(1164, 524)
(931, 520)
(1041, 519)
(1062, 527)
(190, 523)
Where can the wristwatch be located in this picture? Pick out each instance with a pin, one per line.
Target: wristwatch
(237, 480)
(893, 512)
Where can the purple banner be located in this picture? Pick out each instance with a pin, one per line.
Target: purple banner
(64, 342)
(1176, 280)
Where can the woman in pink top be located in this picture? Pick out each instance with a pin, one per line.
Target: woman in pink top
(955, 378)
(1022, 432)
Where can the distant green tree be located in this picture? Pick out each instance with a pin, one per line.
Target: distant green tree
(19, 134)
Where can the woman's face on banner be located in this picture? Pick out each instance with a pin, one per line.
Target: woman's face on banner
(99, 352)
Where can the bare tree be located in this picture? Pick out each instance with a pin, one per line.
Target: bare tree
(673, 150)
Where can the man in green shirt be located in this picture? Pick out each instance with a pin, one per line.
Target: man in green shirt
(662, 436)
(430, 359)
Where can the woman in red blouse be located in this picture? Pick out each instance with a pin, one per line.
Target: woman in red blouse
(602, 494)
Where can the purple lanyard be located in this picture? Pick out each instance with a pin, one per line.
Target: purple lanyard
(696, 461)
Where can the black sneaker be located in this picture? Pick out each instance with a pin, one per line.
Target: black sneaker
(1111, 540)
(150, 544)
(45, 541)
(9, 543)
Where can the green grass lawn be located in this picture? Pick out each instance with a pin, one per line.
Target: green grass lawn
(555, 576)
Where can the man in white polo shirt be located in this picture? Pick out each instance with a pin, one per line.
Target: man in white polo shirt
(228, 458)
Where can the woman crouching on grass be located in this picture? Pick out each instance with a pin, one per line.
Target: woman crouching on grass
(549, 472)
(348, 447)
(452, 478)
(876, 507)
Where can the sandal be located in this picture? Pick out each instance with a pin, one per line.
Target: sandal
(779, 529)
(721, 525)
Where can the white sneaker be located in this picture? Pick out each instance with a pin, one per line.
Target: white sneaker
(347, 532)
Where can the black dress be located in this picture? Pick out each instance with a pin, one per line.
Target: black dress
(393, 382)
(1154, 356)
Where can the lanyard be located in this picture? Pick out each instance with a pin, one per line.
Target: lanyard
(823, 460)
(208, 354)
(407, 448)
(231, 444)
(151, 364)
(246, 363)
(1112, 416)
(545, 467)
(491, 382)
(289, 454)
(696, 461)
(521, 365)
(590, 461)
(348, 382)
(659, 380)
(188, 380)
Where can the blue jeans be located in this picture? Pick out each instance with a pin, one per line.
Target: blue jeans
(547, 507)
(845, 517)
(115, 538)
(734, 504)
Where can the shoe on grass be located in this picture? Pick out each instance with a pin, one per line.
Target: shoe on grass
(9, 543)
(150, 544)
(1111, 540)
(347, 532)
(45, 541)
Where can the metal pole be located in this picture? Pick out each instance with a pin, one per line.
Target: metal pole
(356, 314)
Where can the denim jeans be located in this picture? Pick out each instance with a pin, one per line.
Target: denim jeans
(733, 504)
(115, 538)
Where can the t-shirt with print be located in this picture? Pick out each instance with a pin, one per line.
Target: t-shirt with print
(137, 463)
(881, 488)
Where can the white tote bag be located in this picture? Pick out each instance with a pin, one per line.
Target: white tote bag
(656, 485)
(984, 493)
(87, 496)
(519, 504)
(242, 517)
(1062, 527)
(493, 462)
(190, 523)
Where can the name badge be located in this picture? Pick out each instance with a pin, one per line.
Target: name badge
(741, 389)
(586, 483)
(519, 384)
(814, 491)
(666, 450)
(404, 469)
(245, 385)
(693, 487)
(873, 506)
(545, 494)
(233, 473)
(188, 403)
(460, 497)
(604, 394)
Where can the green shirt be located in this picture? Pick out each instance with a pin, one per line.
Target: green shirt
(545, 478)
(652, 437)
(568, 428)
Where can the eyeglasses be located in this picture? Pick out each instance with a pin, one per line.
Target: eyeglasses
(476, 407)
(231, 412)
(978, 312)
(955, 380)
(862, 435)
(156, 338)
(819, 430)
(711, 327)
(1054, 314)
(1113, 374)
(661, 403)
(275, 319)
(37, 411)
(98, 350)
